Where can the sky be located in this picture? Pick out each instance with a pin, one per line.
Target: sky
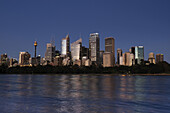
(130, 22)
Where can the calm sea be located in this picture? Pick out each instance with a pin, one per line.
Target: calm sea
(84, 93)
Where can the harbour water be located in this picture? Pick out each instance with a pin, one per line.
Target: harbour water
(84, 93)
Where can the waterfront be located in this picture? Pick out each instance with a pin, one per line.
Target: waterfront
(84, 93)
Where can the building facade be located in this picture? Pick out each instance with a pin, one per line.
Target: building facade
(65, 46)
(151, 58)
(24, 58)
(94, 48)
(159, 58)
(108, 59)
(109, 48)
(4, 59)
(76, 50)
(139, 54)
(50, 52)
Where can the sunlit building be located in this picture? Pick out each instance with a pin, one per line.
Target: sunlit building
(151, 58)
(109, 55)
(94, 48)
(139, 54)
(128, 59)
(50, 52)
(24, 58)
(65, 46)
(76, 49)
(108, 59)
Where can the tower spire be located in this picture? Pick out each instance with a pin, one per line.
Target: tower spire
(35, 45)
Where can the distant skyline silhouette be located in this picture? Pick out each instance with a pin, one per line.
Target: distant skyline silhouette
(130, 22)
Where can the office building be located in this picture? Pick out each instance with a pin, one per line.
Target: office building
(119, 54)
(128, 59)
(50, 52)
(109, 52)
(108, 59)
(65, 46)
(76, 49)
(159, 58)
(4, 59)
(58, 61)
(121, 60)
(139, 54)
(94, 48)
(151, 58)
(24, 58)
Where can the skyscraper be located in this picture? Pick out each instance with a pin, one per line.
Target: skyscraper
(24, 58)
(139, 54)
(110, 48)
(65, 46)
(94, 48)
(50, 52)
(108, 59)
(119, 54)
(159, 58)
(76, 49)
(128, 59)
(151, 58)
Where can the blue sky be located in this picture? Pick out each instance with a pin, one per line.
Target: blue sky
(130, 22)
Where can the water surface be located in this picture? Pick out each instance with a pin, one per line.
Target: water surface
(84, 93)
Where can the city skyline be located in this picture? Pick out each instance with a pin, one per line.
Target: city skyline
(131, 23)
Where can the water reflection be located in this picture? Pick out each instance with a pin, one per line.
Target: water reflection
(83, 93)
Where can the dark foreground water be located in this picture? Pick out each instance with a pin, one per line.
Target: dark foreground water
(84, 93)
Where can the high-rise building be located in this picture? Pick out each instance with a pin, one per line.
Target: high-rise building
(65, 46)
(76, 49)
(128, 59)
(151, 58)
(139, 54)
(108, 59)
(159, 58)
(94, 48)
(119, 54)
(121, 60)
(50, 52)
(110, 48)
(4, 59)
(24, 58)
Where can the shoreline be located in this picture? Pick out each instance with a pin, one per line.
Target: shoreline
(119, 74)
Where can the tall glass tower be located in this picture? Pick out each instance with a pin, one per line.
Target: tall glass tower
(65, 46)
(94, 48)
(50, 52)
(76, 50)
(139, 54)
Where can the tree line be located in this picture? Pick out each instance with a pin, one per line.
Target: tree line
(162, 67)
